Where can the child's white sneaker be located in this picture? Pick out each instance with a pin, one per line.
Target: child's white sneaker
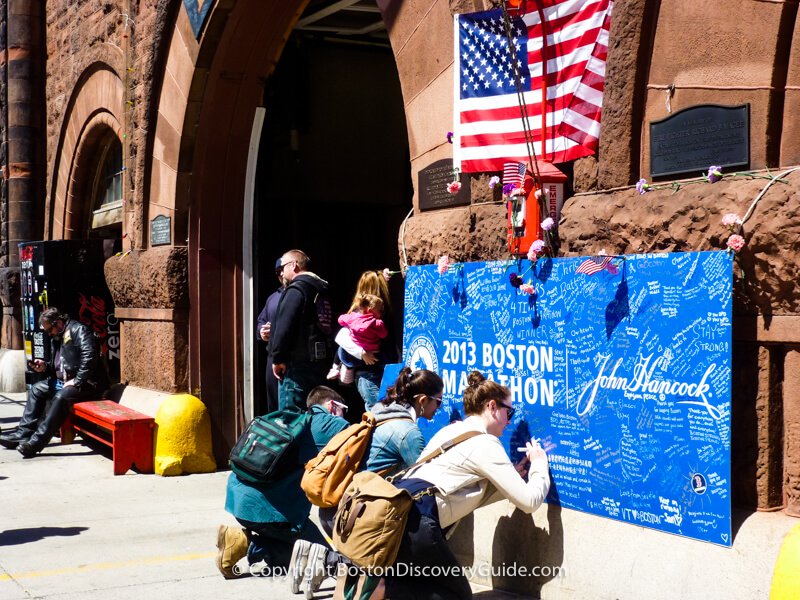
(333, 374)
(346, 375)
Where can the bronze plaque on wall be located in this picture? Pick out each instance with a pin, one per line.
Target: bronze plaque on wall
(432, 186)
(698, 137)
(161, 231)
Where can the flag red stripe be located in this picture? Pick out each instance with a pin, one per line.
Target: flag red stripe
(559, 49)
(587, 11)
(496, 163)
(534, 109)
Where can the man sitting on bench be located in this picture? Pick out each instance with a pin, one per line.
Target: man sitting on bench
(75, 372)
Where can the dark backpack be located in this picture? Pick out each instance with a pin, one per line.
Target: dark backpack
(268, 448)
(318, 315)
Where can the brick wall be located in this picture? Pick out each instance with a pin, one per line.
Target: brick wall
(3, 137)
(81, 33)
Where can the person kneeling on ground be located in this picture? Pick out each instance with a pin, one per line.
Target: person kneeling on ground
(471, 474)
(274, 515)
(396, 443)
(75, 372)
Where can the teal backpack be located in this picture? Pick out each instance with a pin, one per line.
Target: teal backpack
(267, 449)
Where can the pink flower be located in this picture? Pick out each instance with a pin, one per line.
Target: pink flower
(494, 180)
(527, 288)
(548, 224)
(387, 274)
(443, 264)
(731, 220)
(454, 187)
(535, 249)
(714, 174)
(736, 242)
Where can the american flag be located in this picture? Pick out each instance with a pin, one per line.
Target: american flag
(594, 264)
(514, 173)
(488, 128)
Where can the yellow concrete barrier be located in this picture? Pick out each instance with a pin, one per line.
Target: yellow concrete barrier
(183, 437)
(786, 578)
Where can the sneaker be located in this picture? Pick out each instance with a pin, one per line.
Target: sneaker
(260, 569)
(333, 374)
(297, 564)
(316, 571)
(241, 568)
(232, 546)
(346, 375)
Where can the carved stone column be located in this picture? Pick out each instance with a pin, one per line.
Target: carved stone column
(22, 156)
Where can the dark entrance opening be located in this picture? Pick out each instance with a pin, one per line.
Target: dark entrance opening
(333, 173)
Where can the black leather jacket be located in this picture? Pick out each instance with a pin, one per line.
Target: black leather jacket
(80, 356)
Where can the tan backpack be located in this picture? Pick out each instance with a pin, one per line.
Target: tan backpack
(369, 523)
(331, 471)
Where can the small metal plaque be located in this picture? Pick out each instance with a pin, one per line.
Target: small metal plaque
(432, 186)
(161, 231)
(698, 137)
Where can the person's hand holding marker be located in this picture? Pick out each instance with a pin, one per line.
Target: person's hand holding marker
(533, 450)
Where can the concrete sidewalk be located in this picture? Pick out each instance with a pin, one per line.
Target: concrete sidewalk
(70, 529)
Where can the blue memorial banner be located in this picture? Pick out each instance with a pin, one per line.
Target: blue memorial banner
(623, 374)
(198, 12)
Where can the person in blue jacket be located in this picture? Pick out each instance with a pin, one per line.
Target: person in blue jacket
(264, 323)
(274, 515)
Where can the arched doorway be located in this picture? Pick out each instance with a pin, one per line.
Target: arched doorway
(251, 40)
(332, 173)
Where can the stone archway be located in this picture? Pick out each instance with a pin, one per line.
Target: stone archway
(96, 109)
(248, 39)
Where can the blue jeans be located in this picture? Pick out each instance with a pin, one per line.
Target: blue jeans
(348, 360)
(298, 380)
(368, 384)
(424, 545)
(273, 542)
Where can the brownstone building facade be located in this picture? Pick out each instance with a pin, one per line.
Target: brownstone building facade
(171, 90)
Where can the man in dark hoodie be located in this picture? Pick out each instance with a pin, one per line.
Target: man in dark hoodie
(300, 342)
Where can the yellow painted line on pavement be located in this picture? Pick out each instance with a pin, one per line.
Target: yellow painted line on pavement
(153, 560)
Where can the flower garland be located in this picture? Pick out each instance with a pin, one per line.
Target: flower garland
(713, 175)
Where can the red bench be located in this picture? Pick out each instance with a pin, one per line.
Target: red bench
(128, 432)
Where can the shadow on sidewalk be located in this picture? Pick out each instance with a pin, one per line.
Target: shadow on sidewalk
(15, 537)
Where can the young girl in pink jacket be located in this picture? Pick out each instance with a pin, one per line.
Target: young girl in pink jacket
(366, 331)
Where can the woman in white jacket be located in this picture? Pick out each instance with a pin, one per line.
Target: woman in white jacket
(474, 473)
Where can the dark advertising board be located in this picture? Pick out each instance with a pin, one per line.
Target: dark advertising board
(67, 274)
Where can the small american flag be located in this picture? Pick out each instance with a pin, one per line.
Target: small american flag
(514, 173)
(594, 264)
